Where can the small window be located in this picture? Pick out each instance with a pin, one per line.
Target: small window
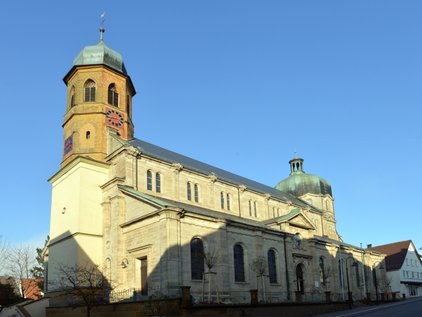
(87, 135)
(128, 105)
(113, 96)
(222, 200)
(189, 191)
(196, 191)
(158, 183)
(239, 263)
(250, 208)
(254, 209)
(149, 180)
(89, 91)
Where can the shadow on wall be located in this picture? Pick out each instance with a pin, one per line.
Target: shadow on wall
(241, 263)
(73, 279)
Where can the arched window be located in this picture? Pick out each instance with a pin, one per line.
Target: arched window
(272, 268)
(300, 282)
(197, 259)
(356, 265)
(228, 201)
(196, 192)
(72, 96)
(322, 271)
(340, 273)
(222, 200)
(89, 91)
(128, 104)
(113, 96)
(158, 183)
(87, 135)
(189, 191)
(239, 264)
(149, 180)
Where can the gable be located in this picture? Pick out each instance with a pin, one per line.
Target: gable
(136, 208)
(301, 221)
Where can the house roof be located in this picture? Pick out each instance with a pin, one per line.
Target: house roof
(396, 253)
(187, 162)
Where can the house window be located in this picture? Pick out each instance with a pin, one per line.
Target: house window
(158, 183)
(239, 264)
(250, 208)
(89, 91)
(222, 200)
(113, 96)
(228, 201)
(196, 192)
(254, 209)
(197, 259)
(272, 269)
(149, 180)
(189, 191)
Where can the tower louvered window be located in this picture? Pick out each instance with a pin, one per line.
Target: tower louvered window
(89, 91)
(113, 96)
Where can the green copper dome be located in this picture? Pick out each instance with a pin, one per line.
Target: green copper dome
(299, 183)
(100, 54)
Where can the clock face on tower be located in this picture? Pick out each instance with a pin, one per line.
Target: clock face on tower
(115, 118)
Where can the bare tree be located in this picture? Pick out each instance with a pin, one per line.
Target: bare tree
(19, 261)
(84, 285)
(210, 260)
(260, 267)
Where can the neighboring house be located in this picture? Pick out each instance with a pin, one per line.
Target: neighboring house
(403, 266)
(31, 288)
(152, 219)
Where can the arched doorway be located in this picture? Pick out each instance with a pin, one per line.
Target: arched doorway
(300, 282)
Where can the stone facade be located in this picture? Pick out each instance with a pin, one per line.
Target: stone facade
(137, 211)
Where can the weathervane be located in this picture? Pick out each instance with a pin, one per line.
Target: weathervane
(102, 30)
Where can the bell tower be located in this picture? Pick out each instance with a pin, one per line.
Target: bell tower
(99, 99)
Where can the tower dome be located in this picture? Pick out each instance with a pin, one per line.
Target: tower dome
(100, 54)
(299, 183)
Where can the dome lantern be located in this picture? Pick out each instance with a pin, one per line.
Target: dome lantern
(300, 183)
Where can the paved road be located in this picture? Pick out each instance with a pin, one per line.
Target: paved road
(411, 307)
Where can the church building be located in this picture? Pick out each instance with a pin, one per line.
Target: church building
(154, 220)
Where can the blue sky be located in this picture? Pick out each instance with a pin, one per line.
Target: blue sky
(241, 85)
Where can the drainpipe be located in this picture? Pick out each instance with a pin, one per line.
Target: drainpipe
(287, 270)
